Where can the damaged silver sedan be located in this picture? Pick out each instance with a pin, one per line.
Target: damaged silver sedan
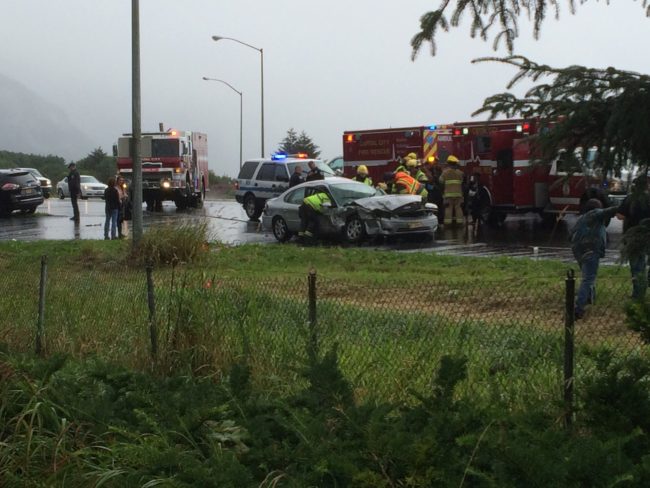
(356, 211)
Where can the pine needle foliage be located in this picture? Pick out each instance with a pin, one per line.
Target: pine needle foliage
(500, 17)
(579, 107)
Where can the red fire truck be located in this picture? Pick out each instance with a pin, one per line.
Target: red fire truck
(498, 151)
(174, 166)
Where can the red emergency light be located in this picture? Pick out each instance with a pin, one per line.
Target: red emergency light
(457, 132)
(526, 126)
(349, 138)
(301, 155)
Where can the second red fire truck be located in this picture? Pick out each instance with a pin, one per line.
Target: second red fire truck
(174, 166)
(497, 151)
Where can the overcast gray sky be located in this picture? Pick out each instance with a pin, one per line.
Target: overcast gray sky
(329, 66)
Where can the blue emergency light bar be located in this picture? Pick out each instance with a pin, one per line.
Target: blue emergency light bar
(278, 156)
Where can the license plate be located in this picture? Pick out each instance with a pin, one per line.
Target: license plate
(414, 225)
(28, 191)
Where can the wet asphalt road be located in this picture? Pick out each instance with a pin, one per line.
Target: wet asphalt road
(520, 235)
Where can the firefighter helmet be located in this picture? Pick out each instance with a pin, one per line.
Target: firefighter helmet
(411, 155)
(362, 170)
(411, 163)
(452, 159)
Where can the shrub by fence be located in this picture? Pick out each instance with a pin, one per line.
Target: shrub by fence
(389, 336)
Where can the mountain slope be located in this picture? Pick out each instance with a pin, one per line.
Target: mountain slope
(30, 124)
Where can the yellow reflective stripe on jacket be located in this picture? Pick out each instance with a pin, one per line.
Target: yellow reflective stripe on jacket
(409, 184)
(316, 201)
(453, 181)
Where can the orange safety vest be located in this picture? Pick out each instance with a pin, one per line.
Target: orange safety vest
(409, 185)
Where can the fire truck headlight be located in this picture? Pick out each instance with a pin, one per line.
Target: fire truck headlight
(518, 172)
(166, 184)
(178, 170)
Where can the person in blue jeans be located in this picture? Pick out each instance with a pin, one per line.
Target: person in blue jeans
(588, 242)
(634, 209)
(112, 209)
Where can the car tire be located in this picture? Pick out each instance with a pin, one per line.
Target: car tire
(281, 229)
(61, 194)
(354, 230)
(252, 209)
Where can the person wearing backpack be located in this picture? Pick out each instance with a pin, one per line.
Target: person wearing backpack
(588, 242)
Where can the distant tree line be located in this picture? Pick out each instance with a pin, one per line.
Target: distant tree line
(97, 163)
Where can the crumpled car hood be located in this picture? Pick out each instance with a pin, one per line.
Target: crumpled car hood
(390, 203)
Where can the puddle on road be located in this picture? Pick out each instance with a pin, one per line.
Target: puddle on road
(518, 237)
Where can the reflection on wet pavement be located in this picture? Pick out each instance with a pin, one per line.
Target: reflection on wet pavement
(520, 235)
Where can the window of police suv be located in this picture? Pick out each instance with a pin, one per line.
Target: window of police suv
(248, 170)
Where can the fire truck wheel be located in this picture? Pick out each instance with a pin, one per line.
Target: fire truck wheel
(253, 210)
(281, 230)
(354, 230)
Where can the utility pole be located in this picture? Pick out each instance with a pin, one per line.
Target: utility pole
(136, 131)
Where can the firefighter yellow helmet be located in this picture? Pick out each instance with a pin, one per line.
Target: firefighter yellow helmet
(362, 170)
(452, 159)
(411, 156)
(411, 163)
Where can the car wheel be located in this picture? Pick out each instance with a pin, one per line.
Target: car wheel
(61, 194)
(354, 229)
(253, 211)
(281, 230)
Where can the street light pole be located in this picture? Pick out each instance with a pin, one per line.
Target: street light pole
(261, 51)
(136, 131)
(241, 113)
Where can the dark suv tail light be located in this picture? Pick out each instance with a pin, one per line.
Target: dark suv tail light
(10, 186)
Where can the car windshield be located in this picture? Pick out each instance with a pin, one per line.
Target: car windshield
(346, 193)
(89, 179)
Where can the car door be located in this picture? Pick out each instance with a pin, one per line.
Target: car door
(267, 186)
(292, 202)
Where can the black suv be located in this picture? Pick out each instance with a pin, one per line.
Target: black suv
(19, 190)
(261, 179)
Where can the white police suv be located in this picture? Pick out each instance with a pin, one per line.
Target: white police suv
(261, 179)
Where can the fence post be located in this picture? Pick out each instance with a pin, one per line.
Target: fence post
(569, 336)
(41, 307)
(313, 337)
(153, 331)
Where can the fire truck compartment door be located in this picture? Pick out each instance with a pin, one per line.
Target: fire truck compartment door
(502, 178)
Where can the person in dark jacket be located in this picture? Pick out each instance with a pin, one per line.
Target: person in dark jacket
(588, 242)
(296, 177)
(634, 209)
(112, 208)
(314, 172)
(74, 187)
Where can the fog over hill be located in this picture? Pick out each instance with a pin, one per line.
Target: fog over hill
(30, 124)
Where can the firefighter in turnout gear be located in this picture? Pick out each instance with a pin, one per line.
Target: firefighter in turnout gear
(415, 171)
(311, 208)
(362, 175)
(403, 183)
(452, 179)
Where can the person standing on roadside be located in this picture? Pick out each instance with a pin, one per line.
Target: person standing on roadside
(296, 177)
(588, 242)
(74, 187)
(314, 172)
(452, 179)
(121, 190)
(111, 208)
(634, 209)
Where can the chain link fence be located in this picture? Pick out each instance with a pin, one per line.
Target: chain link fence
(389, 336)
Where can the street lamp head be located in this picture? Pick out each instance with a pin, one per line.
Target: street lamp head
(216, 38)
(206, 78)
